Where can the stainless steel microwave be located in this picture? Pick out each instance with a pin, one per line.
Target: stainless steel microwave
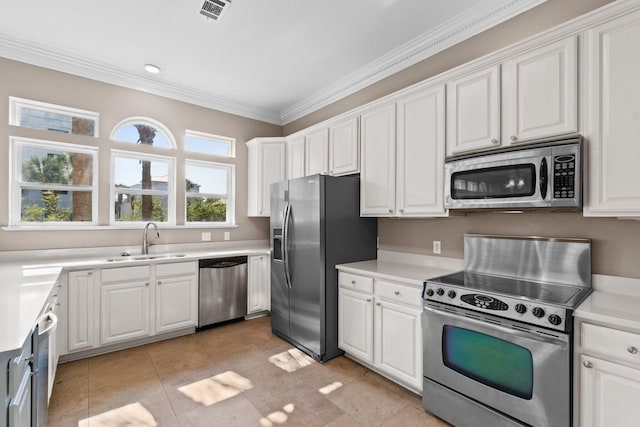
(540, 175)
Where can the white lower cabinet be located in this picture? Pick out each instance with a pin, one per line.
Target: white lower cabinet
(125, 303)
(81, 311)
(258, 283)
(609, 381)
(379, 324)
(176, 296)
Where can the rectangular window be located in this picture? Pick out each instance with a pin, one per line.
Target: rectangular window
(209, 191)
(56, 118)
(200, 142)
(142, 188)
(53, 183)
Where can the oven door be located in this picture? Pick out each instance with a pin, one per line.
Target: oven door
(508, 180)
(523, 374)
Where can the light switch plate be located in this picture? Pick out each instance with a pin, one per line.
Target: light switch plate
(206, 236)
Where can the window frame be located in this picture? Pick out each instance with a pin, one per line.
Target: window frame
(16, 183)
(170, 192)
(230, 196)
(16, 104)
(204, 135)
(145, 121)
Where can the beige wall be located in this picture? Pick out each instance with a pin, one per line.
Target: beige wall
(615, 243)
(114, 104)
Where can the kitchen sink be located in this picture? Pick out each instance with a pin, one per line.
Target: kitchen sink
(145, 257)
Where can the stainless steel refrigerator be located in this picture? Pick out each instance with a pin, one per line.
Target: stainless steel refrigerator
(315, 224)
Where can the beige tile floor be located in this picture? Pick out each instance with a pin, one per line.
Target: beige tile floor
(234, 375)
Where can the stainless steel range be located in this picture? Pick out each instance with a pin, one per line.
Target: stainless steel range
(497, 335)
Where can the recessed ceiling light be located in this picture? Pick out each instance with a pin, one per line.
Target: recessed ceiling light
(150, 68)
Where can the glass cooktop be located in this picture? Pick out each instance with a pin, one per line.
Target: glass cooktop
(552, 293)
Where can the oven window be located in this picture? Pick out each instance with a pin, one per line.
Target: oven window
(497, 363)
(494, 183)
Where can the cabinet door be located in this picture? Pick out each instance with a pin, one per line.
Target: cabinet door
(473, 111)
(612, 124)
(295, 158)
(259, 283)
(540, 92)
(398, 338)
(81, 309)
(378, 156)
(420, 151)
(344, 148)
(355, 324)
(124, 311)
(266, 165)
(176, 303)
(317, 152)
(608, 394)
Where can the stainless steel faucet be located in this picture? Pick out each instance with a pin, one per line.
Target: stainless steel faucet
(145, 238)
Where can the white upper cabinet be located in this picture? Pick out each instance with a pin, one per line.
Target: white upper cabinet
(378, 148)
(529, 96)
(344, 147)
(266, 166)
(473, 111)
(295, 157)
(316, 152)
(540, 95)
(420, 153)
(612, 119)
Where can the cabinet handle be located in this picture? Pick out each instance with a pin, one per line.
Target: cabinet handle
(378, 304)
(401, 210)
(390, 210)
(587, 364)
(146, 284)
(397, 293)
(353, 282)
(159, 283)
(632, 350)
(494, 141)
(514, 138)
(90, 273)
(368, 299)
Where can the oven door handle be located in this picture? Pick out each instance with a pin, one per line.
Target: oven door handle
(498, 327)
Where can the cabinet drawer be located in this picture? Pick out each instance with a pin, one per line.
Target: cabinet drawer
(357, 283)
(399, 293)
(175, 269)
(611, 342)
(126, 274)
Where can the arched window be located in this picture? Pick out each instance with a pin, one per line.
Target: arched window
(144, 130)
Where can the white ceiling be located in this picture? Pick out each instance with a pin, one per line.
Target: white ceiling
(274, 60)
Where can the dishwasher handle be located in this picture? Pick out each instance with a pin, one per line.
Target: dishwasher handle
(222, 262)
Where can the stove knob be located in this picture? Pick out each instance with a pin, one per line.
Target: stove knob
(554, 319)
(451, 294)
(440, 291)
(429, 292)
(521, 308)
(538, 312)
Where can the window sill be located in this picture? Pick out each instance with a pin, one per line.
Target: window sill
(115, 227)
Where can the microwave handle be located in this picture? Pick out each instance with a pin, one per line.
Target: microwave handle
(544, 176)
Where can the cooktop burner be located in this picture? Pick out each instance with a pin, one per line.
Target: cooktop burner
(550, 293)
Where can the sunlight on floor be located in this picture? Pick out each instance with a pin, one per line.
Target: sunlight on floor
(277, 417)
(330, 388)
(130, 415)
(291, 360)
(217, 388)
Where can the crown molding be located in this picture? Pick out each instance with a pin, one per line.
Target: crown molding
(486, 14)
(36, 54)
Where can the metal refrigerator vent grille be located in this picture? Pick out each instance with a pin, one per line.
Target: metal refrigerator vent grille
(214, 9)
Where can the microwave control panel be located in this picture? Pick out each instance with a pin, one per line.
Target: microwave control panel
(564, 176)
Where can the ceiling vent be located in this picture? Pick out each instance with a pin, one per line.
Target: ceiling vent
(214, 9)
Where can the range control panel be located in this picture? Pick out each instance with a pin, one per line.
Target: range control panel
(534, 313)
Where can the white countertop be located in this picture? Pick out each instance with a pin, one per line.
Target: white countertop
(614, 302)
(29, 276)
(23, 294)
(400, 272)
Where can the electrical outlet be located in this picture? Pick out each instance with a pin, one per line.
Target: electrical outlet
(206, 236)
(227, 235)
(437, 247)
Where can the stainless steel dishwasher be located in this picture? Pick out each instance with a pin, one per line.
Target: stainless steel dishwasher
(222, 290)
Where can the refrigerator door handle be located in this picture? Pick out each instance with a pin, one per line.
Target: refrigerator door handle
(285, 244)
